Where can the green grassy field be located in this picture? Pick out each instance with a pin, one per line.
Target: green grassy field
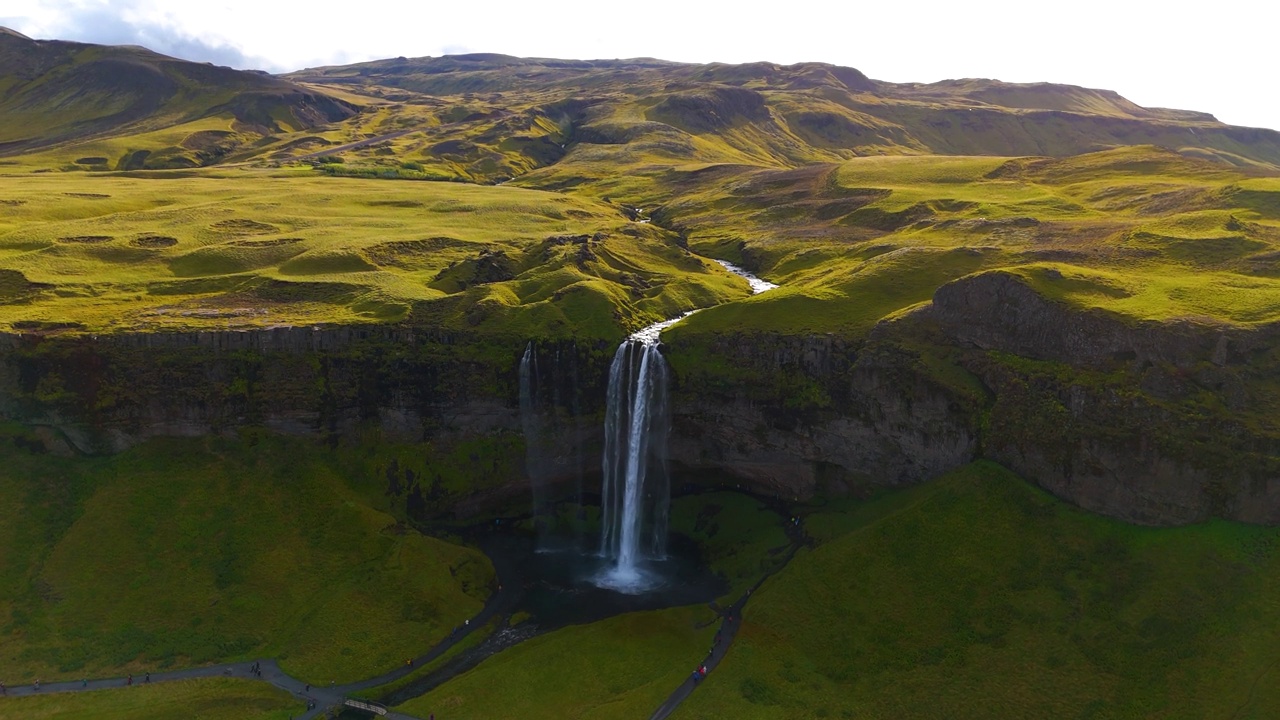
(740, 537)
(183, 552)
(977, 596)
(1140, 232)
(212, 699)
(254, 249)
(620, 667)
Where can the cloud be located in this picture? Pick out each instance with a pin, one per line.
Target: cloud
(126, 23)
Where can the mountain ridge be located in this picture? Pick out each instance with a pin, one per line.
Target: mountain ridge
(789, 115)
(490, 117)
(56, 91)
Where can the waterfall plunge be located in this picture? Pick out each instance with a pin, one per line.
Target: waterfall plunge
(636, 492)
(535, 438)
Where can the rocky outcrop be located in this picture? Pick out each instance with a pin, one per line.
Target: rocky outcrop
(1153, 422)
(998, 310)
(107, 393)
(816, 414)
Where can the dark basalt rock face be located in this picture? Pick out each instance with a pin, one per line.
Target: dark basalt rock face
(834, 416)
(1151, 422)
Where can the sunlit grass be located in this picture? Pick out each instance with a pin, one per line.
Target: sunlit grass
(247, 248)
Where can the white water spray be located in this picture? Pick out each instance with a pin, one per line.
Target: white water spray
(636, 492)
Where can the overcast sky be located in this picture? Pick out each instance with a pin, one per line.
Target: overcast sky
(1216, 57)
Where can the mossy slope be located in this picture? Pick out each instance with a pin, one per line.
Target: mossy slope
(976, 595)
(252, 249)
(185, 552)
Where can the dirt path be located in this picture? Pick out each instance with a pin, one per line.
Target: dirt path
(731, 621)
(324, 697)
(511, 578)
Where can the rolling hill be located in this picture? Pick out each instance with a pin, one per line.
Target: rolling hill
(769, 114)
(55, 92)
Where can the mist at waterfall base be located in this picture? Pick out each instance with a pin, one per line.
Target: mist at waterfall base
(630, 553)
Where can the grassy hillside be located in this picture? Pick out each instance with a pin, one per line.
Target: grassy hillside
(185, 552)
(213, 699)
(859, 197)
(57, 92)
(978, 596)
(248, 249)
(491, 118)
(784, 115)
(1141, 232)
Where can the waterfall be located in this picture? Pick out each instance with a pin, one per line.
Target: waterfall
(635, 492)
(534, 437)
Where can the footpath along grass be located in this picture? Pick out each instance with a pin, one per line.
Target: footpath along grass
(621, 667)
(979, 596)
(206, 699)
(182, 552)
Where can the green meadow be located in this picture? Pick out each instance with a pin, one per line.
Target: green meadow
(621, 667)
(241, 249)
(1139, 232)
(186, 552)
(976, 596)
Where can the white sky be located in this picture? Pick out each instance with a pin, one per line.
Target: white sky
(1216, 57)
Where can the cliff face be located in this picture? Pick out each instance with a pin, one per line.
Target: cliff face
(814, 414)
(109, 392)
(1154, 423)
(1151, 422)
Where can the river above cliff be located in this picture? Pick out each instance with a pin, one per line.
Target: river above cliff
(650, 334)
(757, 285)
